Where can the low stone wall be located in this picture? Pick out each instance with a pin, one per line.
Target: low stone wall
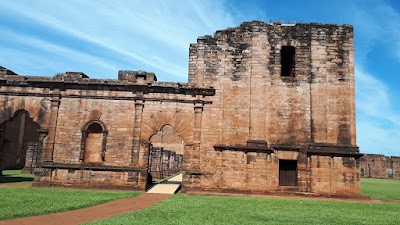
(380, 166)
(90, 176)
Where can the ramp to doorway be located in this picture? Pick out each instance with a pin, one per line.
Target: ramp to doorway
(169, 186)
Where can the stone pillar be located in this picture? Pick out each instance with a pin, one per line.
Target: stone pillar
(257, 87)
(48, 151)
(144, 149)
(1, 146)
(30, 157)
(139, 104)
(20, 137)
(42, 145)
(195, 156)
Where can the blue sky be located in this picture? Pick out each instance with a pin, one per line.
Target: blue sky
(45, 37)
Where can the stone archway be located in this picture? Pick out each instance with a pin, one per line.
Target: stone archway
(166, 153)
(19, 135)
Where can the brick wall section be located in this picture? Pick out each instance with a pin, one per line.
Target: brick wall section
(32, 157)
(65, 105)
(378, 166)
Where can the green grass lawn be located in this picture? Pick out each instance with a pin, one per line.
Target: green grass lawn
(187, 209)
(16, 202)
(381, 188)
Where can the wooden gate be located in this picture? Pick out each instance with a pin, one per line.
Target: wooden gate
(287, 172)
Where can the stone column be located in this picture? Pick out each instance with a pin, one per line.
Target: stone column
(195, 156)
(42, 146)
(139, 104)
(48, 151)
(1, 146)
(21, 137)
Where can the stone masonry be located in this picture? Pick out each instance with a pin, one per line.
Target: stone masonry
(380, 166)
(268, 108)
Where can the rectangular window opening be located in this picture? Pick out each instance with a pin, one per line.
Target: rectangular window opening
(390, 173)
(287, 172)
(287, 61)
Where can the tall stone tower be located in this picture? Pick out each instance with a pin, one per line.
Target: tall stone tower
(283, 116)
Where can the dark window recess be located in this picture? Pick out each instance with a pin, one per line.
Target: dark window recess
(95, 128)
(287, 61)
(287, 172)
(362, 172)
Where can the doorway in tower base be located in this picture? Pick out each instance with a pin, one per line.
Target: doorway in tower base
(287, 172)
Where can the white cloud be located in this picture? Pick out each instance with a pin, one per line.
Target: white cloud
(378, 124)
(377, 24)
(155, 35)
(42, 45)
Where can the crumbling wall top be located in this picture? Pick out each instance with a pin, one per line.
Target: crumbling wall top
(140, 77)
(4, 71)
(259, 26)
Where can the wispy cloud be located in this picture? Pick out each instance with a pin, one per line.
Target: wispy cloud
(376, 22)
(54, 49)
(130, 30)
(378, 124)
(378, 118)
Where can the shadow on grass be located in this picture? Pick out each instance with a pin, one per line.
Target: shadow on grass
(14, 176)
(14, 179)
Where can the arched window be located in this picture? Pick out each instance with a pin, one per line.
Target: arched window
(93, 144)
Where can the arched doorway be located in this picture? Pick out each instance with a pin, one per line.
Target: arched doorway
(18, 134)
(166, 153)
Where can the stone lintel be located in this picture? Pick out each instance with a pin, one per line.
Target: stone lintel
(243, 148)
(334, 150)
(145, 89)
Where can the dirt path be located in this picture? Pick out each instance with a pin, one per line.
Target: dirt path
(98, 212)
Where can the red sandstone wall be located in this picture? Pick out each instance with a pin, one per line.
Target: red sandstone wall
(254, 102)
(378, 166)
(75, 113)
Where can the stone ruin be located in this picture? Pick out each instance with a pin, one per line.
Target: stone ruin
(380, 166)
(268, 108)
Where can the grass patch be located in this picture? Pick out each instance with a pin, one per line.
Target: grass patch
(381, 188)
(13, 176)
(187, 209)
(16, 202)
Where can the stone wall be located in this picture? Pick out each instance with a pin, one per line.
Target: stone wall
(96, 133)
(380, 166)
(268, 108)
(32, 159)
(310, 113)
